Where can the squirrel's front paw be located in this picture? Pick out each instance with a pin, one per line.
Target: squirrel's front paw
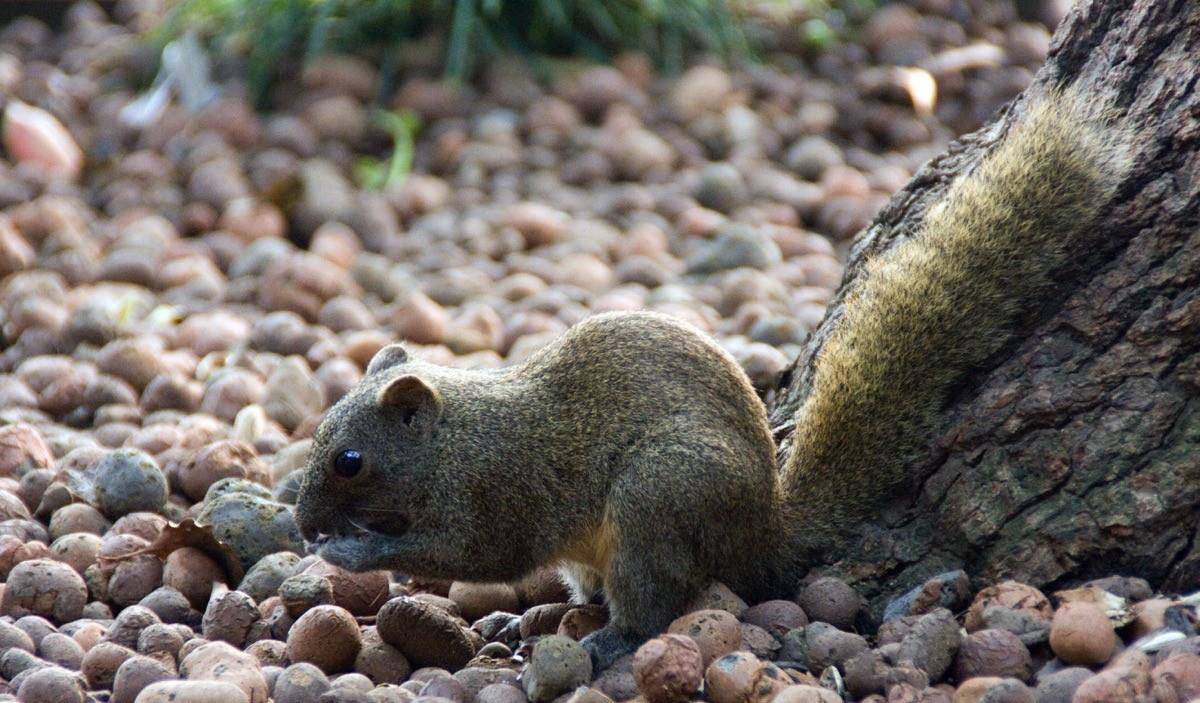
(607, 645)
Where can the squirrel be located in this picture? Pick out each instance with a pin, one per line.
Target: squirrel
(633, 451)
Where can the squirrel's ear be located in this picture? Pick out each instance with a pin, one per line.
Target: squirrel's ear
(419, 403)
(387, 357)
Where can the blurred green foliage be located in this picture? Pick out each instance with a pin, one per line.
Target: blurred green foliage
(817, 24)
(831, 20)
(272, 35)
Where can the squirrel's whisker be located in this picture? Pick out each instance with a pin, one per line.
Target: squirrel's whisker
(363, 528)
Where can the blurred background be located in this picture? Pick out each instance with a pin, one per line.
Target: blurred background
(219, 184)
(213, 213)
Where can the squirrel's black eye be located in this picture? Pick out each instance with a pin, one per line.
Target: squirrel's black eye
(348, 463)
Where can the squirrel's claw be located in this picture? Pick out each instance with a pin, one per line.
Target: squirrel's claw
(607, 645)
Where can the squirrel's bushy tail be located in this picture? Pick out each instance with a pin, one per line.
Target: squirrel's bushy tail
(928, 311)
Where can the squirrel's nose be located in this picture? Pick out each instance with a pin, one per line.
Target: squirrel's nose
(308, 530)
(309, 514)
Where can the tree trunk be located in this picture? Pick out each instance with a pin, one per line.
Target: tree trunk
(1075, 452)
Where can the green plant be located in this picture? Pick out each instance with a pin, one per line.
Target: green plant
(402, 126)
(834, 20)
(819, 24)
(273, 34)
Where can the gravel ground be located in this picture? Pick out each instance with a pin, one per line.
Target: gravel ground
(180, 303)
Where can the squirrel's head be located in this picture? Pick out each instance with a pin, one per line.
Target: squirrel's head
(370, 494)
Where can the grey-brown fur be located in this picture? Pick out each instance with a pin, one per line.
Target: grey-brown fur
(634, 438)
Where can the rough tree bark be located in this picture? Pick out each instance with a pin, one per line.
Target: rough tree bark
(1075, 452)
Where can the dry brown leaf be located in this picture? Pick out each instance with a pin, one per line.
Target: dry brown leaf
(1115, 607)
(188, 533)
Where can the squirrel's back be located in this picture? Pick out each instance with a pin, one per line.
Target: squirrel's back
(926, 312)
(648, 360)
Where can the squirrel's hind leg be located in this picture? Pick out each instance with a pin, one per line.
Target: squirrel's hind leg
(665, 510)
(646, 591)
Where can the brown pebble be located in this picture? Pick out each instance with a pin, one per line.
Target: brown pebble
(128, 625)
(13, 636)
(807, 694)
(715, 631)
(476, 678)
(223, 459)
(973, 690)
(380, 661)
(36, 627)
(1009, 594)
(1081, 633)
(830, 600)
(326, 636)
(133, 579)
(101, 662)
(51, 684)
(992, 653)
(192, 573)
(22, 447)
(475, 600)
(418, 318)
(1180, 671)
(1126, 679)
(229, 617)
(300, 592)
(300, 683)
(62, 650)
(269, 652)
(931, 644)
(78, 517)
(89, 635)
(219, 661)
(719, 597)
(776, 616)
(829, 646)
(143, 524)
(160, 638)
(135, 674)
(193, 692)
(743, 678)
(501, 693)
(359, 593)
(69, 550)
(581, 621)
(668, 669)
(425, 634)
(543, 619)
(759, 642)
(44, 587)
(539, 224)
(584, 694)
(443, 685)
